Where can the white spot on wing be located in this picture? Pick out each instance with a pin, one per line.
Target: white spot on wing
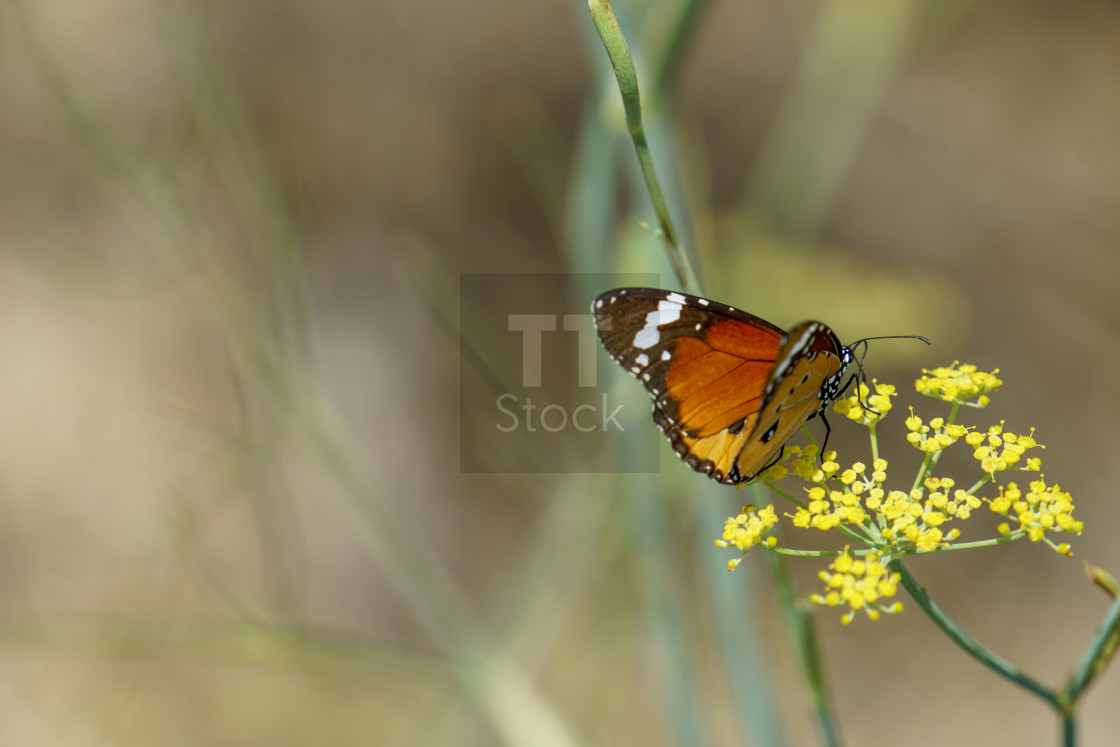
(599, 304)
(703, 301)
(667, 312)
(670, 311)
(642, 360)
(676, 298)
(646, 338)
(665, 355)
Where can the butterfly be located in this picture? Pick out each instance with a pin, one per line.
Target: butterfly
(728, 388)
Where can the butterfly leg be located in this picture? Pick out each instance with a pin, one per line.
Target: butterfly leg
(861, 377)
(827, 433)
(773, 461)
(859, 392)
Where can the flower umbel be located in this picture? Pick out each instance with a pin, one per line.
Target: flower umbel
(795, 460)
(880, 403)
(933, 437)
(1045, 508)
(830, 508)
(922, 515)
(746, 530)
(958, 383)
(859, 583)
(994, 459)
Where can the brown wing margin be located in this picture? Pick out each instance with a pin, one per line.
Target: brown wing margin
(715, 455)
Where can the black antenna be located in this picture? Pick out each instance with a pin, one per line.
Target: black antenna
(861, 377)
(891, 337)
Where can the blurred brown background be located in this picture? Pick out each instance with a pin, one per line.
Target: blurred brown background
(231, 509)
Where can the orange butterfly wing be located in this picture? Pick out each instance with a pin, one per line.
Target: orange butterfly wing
(806, 377)
(729, 388)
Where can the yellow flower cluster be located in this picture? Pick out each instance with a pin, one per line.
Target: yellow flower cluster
(1044, 508)
(898, 523)
(933, 437)
(993, 458)
(859, 583)
(830, 508)
(958, 383)
(914, 519)
(801, 462)
(918, 518)
(746, 530)
(879, 403)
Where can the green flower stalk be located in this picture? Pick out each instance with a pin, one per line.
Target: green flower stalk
(606, 23)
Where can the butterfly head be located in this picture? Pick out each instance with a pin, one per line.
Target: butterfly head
(799, 352)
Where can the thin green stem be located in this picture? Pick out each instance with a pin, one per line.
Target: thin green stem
(1011, 537)
(619, 53)
(990, 659)
(897, 553)
(922, 472)
(800, 624)
(979, 484)
(770, 484)
(1103, 579)
(1105, 643)
(931, 463)
(818, 553)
